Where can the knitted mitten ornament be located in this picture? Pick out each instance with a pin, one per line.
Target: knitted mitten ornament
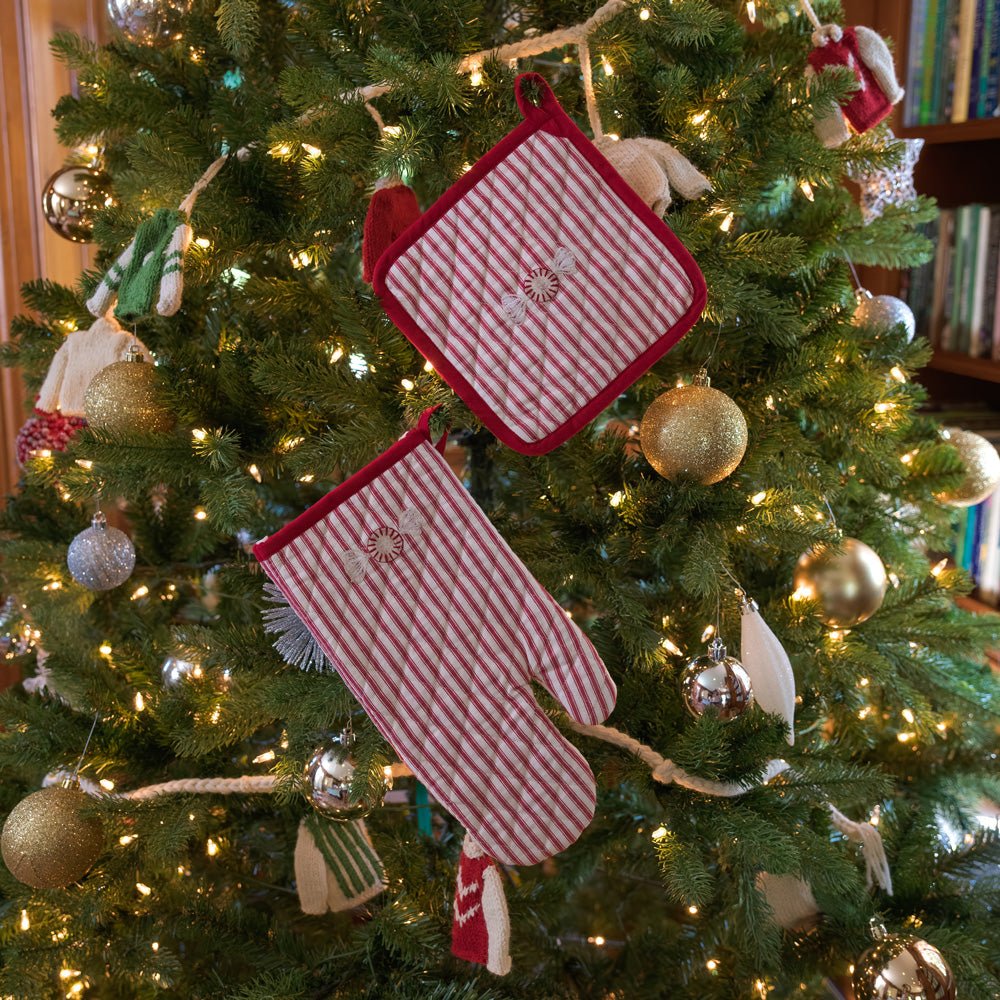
(650, 167)
(480, 929)
(82, 355)
(44, 431)
(336, 866)
(391, 211)
(866, 54)
(152, 262)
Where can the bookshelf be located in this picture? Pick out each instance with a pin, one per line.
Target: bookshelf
(959, 165)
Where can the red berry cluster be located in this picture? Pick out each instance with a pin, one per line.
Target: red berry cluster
(45, 431)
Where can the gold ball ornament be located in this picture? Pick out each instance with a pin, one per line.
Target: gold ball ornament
(71, 199)
(716, 684)
(902, 966)
(128, 396)
(982, 468)
(694, 433)
(848, 583)
(328, 775)
(48, 842)
(883, 310)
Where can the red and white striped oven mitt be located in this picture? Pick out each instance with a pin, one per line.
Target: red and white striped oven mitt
(540, 285)
(439, 629)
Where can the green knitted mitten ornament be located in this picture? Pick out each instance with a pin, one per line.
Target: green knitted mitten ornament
(152, 262)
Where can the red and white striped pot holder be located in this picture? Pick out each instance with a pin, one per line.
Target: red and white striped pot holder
(439, 629)
(540, 286)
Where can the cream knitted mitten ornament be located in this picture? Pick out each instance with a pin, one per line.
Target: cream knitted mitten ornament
(336, 866)
(651, 167)
(82, 355)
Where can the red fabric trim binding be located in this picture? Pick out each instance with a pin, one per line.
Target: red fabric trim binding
(550, 117)
(267, 547)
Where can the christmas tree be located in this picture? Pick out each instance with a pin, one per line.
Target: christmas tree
(736, 849)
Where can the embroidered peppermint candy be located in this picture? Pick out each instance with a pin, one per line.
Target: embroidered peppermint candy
(385, 544)
(540, 285)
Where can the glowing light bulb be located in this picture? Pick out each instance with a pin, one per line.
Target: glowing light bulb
(644, 14)
(312, 151)
(670, 647)
(897, 373)
(140, 592)
(616, 498)
(203, 242)
(707, 633)
(609, 70)
(25, 922)
(712, 964)
(727, 222)
(476, 77)
(659, 833)
(104, 649)
(143, 888)
(907, 714)
(126, 839)
(254, 472)
(393, 130)
(751, 11)
(200, 513)
(807, 189)
(693, 910)
(199, 433)
(408, 384)
(140, 702)
(699, 118)
(107, 784)
(758, 498)
(263, 758)
(428, 367)
(211, 848)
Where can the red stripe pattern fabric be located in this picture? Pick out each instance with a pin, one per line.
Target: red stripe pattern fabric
(438, 629)
(538, 365)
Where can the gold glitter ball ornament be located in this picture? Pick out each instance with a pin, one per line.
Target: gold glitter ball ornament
(902, 966)
(128, 396)
(848, 583)
(982, 468)
(48, 842)
(694, 433)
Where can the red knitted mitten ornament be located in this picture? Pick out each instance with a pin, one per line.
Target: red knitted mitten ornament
(866, 54)
(480, 931)
(391, 211)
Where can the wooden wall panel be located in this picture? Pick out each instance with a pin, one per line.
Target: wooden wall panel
(32, 81)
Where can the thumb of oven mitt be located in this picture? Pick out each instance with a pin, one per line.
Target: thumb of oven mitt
(152, 263)
(439, 629)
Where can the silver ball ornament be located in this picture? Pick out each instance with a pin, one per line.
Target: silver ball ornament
(101, 557)
(150, 22)
(175, 671)
(901, 966)
(71, 199)
(716, 684)
(328, 775)
(883, 310)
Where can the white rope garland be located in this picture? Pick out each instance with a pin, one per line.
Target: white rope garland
(666, 772)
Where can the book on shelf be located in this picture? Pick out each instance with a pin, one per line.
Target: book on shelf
(955, 297)
(952, 62)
